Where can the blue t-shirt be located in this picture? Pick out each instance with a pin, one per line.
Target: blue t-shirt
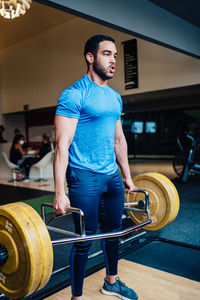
(97, 109)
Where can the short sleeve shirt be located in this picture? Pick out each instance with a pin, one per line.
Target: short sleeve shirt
(97, 109)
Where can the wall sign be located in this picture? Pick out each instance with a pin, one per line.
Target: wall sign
(130, 64)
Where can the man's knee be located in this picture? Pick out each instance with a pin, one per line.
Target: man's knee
(82, 247)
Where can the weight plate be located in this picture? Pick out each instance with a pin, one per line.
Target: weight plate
(21, 233)
(162, 208)
(174, 194)
(45, 241)
(12, 261)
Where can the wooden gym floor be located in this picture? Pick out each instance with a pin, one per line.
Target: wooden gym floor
(149, 283)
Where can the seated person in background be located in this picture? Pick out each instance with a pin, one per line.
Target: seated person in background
(18, 132)
(45, 148)
(17, 153)
(2, 129)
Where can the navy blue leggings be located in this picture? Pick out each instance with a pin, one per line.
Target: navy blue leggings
(101, 197)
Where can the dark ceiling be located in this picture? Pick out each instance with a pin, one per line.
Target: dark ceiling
(174, 98)
(189, 10)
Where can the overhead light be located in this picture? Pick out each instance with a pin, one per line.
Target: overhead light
(11, 9)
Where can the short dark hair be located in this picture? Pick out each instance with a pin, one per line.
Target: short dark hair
(92, 45)
(16, 131)
(17, 138)
(45, 137)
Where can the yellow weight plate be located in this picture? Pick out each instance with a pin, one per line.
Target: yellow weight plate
(171, 191)
(21, 233)
(45, 241)
(174, 194)
(12, 261)
(159, 201)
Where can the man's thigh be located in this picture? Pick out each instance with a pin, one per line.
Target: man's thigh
(112, 204)
(85, 190)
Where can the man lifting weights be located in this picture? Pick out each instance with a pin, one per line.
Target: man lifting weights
(90, 145)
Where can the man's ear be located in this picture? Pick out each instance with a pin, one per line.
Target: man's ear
(90, 58)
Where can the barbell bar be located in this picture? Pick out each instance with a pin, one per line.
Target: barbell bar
(26, 252)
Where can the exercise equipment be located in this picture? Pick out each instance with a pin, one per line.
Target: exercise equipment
(186, 160)
(26, 252)
(29, 261)
(163, 200)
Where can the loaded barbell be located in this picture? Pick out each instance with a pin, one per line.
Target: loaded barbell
(26, 252)
(163, 200)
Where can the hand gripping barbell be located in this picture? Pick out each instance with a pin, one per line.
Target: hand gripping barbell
(26, 252)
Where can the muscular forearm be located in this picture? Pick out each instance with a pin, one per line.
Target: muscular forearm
(65, 130)
(60, 166)
(121, 153)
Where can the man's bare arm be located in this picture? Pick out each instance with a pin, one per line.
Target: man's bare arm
(64, 130)
(121, 153)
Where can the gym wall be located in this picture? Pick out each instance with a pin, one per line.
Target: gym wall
(36, 70)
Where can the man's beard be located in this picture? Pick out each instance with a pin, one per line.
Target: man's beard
(101, 71)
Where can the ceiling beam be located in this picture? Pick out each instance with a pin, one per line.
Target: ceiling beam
(141, 18)
(174, 98)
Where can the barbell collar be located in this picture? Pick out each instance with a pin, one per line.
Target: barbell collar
(140, 203)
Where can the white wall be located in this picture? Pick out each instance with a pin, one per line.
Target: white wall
(1, 116)
(162, 68)
(35, 71)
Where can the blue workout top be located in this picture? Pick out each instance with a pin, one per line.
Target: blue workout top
(97, 109)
